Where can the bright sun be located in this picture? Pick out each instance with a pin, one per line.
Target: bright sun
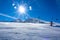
(21, 9)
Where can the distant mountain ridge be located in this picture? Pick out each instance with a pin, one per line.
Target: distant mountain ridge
(29, 20)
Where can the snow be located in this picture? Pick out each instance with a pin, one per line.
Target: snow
(28, 31)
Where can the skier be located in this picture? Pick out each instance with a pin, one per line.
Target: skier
(51, 23)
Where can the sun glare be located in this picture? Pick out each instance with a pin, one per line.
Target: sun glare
(21, 9)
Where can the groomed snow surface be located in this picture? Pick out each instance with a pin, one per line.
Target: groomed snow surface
(28, 31)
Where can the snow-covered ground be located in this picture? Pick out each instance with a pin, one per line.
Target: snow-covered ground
(28, 31)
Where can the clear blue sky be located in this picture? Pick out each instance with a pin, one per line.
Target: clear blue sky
(42, 9)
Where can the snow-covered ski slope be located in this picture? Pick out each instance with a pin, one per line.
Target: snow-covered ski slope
(28, 31)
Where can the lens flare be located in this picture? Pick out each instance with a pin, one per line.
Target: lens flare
(30, 8)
